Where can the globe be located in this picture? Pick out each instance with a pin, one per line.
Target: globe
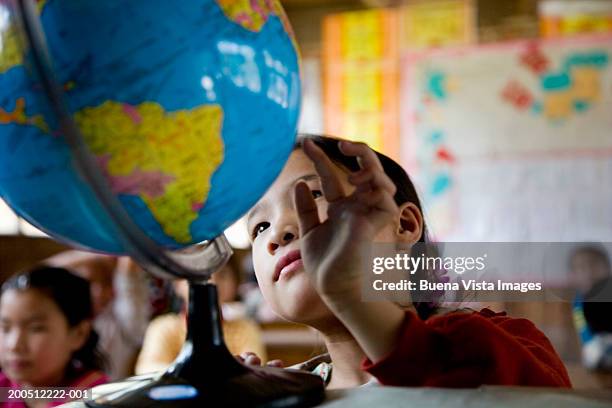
(189, 109)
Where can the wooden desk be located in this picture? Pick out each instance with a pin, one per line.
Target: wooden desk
(484, 397)
(583, 379)
(291, 343)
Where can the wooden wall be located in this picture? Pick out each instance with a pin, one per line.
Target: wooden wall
(21, 252)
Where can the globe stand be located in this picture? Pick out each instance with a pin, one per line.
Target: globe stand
(204, 373)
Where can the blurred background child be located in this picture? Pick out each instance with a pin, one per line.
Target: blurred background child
(46, 335)
(120, 297)
(590, 275)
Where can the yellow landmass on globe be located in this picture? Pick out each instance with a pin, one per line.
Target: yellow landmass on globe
(253, 14)
(169, 156)
(10, 50)
(19, 117)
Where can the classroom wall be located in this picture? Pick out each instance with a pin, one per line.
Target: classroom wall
(20, 252)
(307, 18)
(496, 20)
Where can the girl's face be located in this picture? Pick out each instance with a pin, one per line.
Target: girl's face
(99, 271)
(586, 270)
(36, 342)
(273, 226)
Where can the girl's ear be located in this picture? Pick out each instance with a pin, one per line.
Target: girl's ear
(79, 335)
(410, 225)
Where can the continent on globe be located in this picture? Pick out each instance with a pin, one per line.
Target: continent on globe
(253, 14)
(165, 158)
(184, 141)
(10, 49)
(19, 117)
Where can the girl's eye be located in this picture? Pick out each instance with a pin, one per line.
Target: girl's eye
(317, 193)
(38, 328)
(261, 227)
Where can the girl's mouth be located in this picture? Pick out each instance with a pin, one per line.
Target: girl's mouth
(18, 365)
(287, 265)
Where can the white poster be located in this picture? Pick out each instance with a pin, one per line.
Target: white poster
(512, 142)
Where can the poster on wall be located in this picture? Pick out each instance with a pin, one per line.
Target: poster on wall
(361, 54)
(436, 23)
(559, 18)
(512, 142)
(360, 70)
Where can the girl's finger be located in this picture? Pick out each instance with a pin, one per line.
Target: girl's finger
(275, 363)
(306, 208)
(250, 358)
(246, 354)
(330, 180)
(379, 199)
(366, 156)
(375, 178)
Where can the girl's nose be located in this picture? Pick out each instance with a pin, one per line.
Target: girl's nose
(15, 340)
(282, 238)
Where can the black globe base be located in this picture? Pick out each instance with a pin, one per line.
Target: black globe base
(256, 387)
(206, 374)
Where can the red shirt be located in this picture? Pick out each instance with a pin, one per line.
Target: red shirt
(88, 379)
(468, 350)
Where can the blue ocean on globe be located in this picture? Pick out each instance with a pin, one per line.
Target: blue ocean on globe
(189, 107)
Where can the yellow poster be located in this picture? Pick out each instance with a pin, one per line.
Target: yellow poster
(571, 17)
(437, 23)
(360, 77)
(362, 35)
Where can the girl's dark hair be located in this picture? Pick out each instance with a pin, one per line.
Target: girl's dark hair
(405, 188)
(405, 191)
(595, 250)
(596, 307)
(71, 294)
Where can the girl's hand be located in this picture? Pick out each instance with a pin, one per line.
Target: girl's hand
(332, 250)
(253, 359)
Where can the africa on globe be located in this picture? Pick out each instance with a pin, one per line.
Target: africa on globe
(190, 109)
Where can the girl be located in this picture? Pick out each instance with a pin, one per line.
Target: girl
(46, 338)
(335, 197)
